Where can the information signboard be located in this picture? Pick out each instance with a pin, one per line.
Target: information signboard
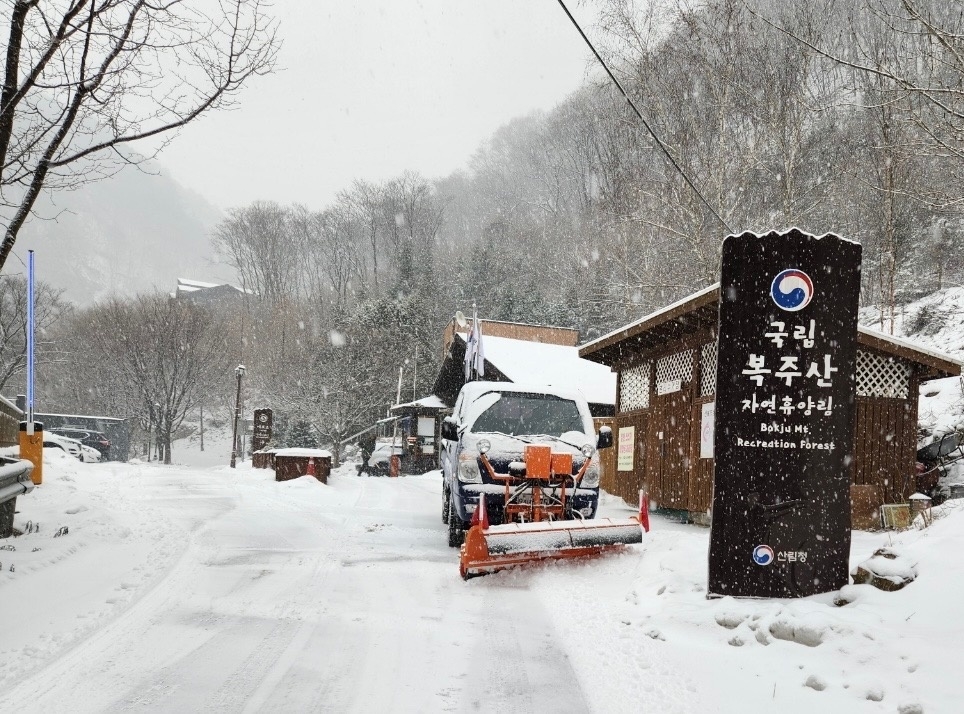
(785, 411)
(261, 429)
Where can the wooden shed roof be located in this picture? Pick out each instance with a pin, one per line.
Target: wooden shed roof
(701, 310)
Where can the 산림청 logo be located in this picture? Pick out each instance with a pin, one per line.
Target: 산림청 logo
(791, 290)
(763, 555)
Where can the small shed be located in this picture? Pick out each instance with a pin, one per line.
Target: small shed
(419, 432)
(666, 368)
(293, 463)
(263, 459)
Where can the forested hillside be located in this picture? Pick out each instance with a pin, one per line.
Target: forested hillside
(830, 116)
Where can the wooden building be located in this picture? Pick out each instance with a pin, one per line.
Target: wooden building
(666, 367)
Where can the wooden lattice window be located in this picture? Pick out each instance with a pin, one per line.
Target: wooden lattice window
(879, 376)
(673, 371)
(634, 387)
(708, 369)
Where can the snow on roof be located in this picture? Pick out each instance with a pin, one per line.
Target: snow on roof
(652, 315)
(191, 285)
(429, 402)
(297, 452)
(907, 344)
(548, 365)
(694, 297)
(79, 416)
(473, 390)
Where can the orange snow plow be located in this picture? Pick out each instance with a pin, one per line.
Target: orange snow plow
(538, 525)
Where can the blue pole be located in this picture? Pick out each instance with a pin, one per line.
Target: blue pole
(30, 342)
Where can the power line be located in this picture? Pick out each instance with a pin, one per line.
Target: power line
(652, 133)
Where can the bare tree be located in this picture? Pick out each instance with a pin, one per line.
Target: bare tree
(169, 353)
(364, 201)
(48, 308)
(266, 248)
(914, 48)
(341, 394)
(84, 80)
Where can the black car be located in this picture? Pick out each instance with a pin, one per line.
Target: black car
(94, 439)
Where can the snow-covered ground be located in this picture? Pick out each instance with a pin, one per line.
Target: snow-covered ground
(209, 589)
(196, 587)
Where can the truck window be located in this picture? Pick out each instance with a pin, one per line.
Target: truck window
(521, 413)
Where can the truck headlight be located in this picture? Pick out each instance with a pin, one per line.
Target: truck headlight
(590, 479)
(469, 470)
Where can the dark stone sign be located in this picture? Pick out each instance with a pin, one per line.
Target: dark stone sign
(785, 411)
(262, 429)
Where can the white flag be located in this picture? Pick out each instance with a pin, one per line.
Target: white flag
(469, 353)
(479, 354)
(474, 356)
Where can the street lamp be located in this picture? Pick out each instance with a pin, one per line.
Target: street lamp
(157, 432)
(150, 428)
(239, 371)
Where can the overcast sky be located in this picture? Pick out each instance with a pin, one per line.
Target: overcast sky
(370, 89)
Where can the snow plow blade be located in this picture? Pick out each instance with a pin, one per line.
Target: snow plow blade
(488, 550)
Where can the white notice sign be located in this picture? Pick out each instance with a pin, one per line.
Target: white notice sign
(707, 424)
(626, 448)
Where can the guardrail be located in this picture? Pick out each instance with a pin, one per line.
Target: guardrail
(10, 418)
(14, 481)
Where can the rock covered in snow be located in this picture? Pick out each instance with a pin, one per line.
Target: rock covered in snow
(886, 570)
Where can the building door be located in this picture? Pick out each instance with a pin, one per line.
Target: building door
(668, 436)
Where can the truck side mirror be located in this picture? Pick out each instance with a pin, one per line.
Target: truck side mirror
(605, 438)
(450, 430)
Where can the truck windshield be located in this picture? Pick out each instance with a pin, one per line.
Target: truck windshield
(521, 413)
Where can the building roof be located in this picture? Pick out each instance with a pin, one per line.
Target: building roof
(701, 310)
(429, 402)
(534, 363)
(187, 285)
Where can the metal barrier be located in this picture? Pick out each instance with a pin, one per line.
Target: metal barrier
(14, 481)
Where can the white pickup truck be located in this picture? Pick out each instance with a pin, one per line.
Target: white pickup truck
(508, 416)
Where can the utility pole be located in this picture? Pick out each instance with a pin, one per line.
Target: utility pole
(239, 371)
(414, 373)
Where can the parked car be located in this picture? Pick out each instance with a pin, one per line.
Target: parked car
(94, 439)
(88, 454)
(508, 416)
(378, 462)
(71, 446)
(934, 462)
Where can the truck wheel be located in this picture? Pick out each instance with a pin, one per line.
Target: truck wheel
(446, 506)
(456, 529)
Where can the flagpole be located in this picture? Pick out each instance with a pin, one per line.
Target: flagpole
(30, 345)
(475, 331)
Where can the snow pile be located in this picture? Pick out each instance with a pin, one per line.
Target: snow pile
(648, 629)
(178, 589)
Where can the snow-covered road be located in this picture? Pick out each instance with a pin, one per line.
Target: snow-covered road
(260, 596)
(183, 589)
